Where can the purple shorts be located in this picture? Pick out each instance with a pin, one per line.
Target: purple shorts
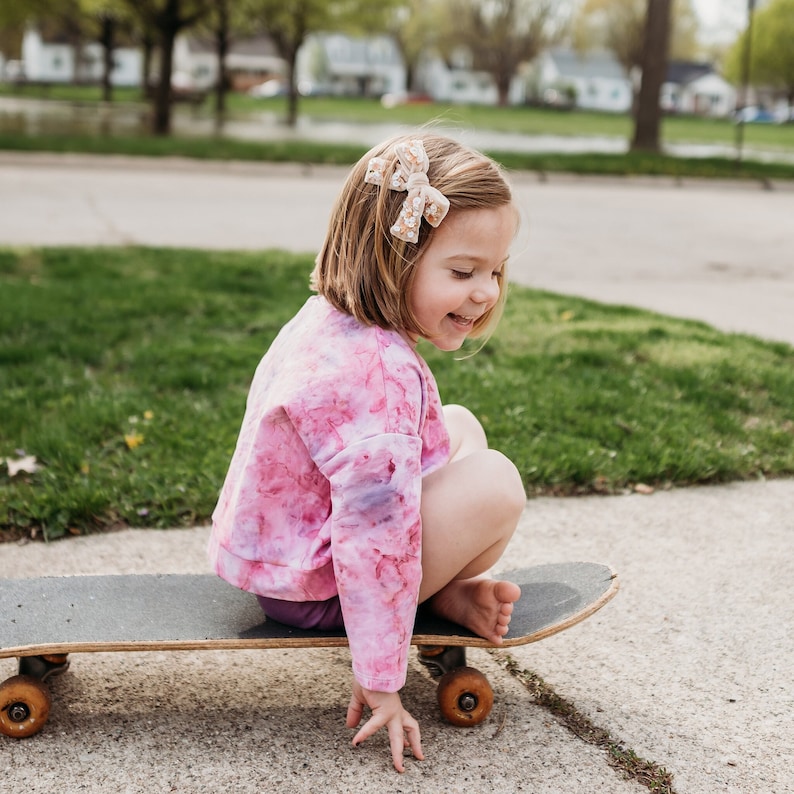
(322, 615)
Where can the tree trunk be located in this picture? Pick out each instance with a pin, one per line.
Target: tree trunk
(222, 42)
(292, 88)
(161, 121)
(654, 71)
(147, 43)
(108, 41)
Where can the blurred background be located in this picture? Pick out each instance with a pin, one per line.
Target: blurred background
(528, 75)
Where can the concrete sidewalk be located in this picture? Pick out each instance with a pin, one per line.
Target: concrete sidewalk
(690, 666)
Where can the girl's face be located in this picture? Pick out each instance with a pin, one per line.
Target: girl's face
(458, 276)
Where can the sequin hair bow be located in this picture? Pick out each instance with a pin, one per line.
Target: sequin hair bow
(423, 200)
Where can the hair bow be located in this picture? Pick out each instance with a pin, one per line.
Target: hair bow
(411, 175)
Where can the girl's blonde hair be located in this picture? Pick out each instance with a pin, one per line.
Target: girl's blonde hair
(366, 272)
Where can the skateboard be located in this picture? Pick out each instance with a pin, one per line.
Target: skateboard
(43, 620)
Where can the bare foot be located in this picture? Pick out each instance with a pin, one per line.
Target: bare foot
(483, 606)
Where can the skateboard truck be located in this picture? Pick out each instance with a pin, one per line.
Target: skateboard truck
(43, 667)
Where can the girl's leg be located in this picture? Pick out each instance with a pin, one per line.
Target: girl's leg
(470, 509)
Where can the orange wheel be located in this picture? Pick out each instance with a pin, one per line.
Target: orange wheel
(465, 697)
(56, 658)
(432, 650)
(24, 706)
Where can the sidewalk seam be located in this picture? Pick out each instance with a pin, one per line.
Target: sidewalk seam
(621, 758)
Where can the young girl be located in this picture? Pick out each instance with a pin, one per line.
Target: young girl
(353, 495)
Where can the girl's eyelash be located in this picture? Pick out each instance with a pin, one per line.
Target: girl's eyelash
(461, 274)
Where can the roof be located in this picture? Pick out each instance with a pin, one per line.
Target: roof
(254, 45)
(683, 72)
(595, 63)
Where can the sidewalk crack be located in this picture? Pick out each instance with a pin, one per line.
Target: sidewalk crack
(647, 773)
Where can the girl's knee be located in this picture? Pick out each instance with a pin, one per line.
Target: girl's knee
(466, 434)
(509, 496)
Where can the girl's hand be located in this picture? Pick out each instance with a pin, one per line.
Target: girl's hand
(387, 709)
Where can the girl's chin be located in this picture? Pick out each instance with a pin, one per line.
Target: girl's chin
(446, 343)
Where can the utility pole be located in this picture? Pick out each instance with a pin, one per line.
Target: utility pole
(741, 104)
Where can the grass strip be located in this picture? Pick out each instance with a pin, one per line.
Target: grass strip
(310, 152)
(647, 773)
(124, 373)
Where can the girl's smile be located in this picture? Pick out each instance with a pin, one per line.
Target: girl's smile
(459, 276)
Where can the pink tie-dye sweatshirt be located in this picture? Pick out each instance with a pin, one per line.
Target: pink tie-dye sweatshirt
(323, 491)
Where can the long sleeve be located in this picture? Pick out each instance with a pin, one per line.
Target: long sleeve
(376, 538)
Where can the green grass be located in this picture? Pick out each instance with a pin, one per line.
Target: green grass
(346, 154)
(124, 372)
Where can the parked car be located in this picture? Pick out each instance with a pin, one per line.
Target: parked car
(753, 115)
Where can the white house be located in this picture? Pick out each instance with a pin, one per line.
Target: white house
(249, 61)
(454, 80)
(593, 80)
(339, 64)
(55, 61)
(696, 88)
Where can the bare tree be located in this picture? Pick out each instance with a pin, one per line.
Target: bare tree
(502, 34)
(647, 123)
(619, 26)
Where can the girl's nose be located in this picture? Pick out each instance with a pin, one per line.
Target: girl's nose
(486, 290)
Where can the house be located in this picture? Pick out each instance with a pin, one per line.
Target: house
(54, 60)
(693, 87)
(335, 63)
(589, 80)
(453, 79)
(250, 61)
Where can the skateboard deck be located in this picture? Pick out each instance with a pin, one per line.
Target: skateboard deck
(44, 619)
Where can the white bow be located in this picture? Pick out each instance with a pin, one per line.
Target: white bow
(411, 175)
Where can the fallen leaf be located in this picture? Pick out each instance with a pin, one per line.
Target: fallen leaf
(642, 488)
(27, 464)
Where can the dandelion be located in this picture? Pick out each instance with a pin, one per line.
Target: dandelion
(133, 440)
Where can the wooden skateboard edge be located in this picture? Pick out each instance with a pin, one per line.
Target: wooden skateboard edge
(536, 636)
(229, 644)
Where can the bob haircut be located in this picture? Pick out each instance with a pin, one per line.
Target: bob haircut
(363, 270)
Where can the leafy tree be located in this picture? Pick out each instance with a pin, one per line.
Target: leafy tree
(104, 21)
(289, 23)
(502, 34)
(166, 18)
(772, 53)
(63, 17)
(647, 122)
(224, 22)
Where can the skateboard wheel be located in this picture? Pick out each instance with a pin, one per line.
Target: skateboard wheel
(465, 697)
(24, 706)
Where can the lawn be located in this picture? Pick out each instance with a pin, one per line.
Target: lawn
(124, 371)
